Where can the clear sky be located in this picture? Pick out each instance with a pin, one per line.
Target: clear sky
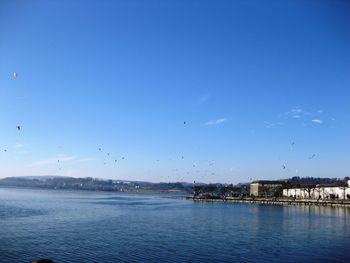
(262, 86)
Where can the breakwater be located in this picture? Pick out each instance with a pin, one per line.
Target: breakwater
(272, 201)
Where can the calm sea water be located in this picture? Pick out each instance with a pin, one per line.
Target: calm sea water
(75, 226)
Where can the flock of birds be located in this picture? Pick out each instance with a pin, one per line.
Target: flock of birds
(109, 154)
(284, 166)
(204, 173)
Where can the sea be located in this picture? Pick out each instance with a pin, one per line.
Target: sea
(90, 226)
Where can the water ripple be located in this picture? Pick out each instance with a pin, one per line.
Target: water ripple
(105, 227)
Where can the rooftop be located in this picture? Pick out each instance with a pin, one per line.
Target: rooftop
(269, 182)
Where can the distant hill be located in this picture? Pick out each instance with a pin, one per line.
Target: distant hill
(89, 183)
(40, 177)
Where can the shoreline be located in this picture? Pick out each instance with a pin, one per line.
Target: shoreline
(175, 192)
(271, 201)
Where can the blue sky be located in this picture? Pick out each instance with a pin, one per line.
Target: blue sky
(260, 84)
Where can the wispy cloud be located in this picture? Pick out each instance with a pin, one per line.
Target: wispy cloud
(21, 148)
(204, 98)
(84, 160)
(272, 125)
(61, 158)
(20, 145)
(296, 112)
(215, 122)
(317, 121)
(299, 112)
(309, 115)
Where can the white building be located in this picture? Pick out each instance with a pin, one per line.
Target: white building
(319, 192)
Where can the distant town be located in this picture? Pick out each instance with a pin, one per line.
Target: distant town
(296, 191)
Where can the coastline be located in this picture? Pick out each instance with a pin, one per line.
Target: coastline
(142, 191)
(272, 201)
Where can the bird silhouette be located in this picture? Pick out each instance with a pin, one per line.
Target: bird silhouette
(312, 156)
(292, 145)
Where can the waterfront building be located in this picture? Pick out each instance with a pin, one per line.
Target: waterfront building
(321, 191)
(266, 188)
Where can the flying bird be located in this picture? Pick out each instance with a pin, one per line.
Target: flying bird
(284, 167)
(99, 149)
(184, 122)
(292, 145)
(312, 156)
(18, 128)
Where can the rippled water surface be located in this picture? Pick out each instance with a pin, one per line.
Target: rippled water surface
(76, 226)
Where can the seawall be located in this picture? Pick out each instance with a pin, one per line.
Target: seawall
(273, 201)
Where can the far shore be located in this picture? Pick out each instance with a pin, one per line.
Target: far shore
(272, 201)
(141, 191)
